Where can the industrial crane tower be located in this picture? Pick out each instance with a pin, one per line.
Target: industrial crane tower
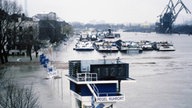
(169, 15)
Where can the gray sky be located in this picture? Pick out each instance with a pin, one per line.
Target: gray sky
(109, 11)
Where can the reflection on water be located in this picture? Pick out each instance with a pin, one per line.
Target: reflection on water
(162, 78)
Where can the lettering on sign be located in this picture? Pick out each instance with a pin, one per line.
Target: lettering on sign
(102, 99)
(110, 99)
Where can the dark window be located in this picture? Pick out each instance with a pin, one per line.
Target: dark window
(110, 71)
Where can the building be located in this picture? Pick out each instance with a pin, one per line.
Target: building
(50, 27)
(48, 16)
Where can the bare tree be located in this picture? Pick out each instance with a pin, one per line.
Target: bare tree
(10, 20)
(14, 96)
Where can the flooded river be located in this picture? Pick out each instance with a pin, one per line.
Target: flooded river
(163, 79)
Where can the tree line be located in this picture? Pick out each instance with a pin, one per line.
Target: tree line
(10, 27)
(15, 35)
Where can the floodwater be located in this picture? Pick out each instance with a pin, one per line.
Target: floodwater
(163, 79)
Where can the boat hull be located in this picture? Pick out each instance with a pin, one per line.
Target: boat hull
(84, 49)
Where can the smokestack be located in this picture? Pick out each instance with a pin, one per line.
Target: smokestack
(0, 3)
(26, 13)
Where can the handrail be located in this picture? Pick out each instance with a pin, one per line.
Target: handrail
(95, 89)
(92, 91)
(86, 76)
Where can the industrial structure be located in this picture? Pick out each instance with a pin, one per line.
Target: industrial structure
(169, 15)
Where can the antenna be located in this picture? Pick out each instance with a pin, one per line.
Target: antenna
(118, 60)
(104, 59)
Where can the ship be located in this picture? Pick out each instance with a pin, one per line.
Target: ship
(130, 47)
(106, 46)
(84, 46)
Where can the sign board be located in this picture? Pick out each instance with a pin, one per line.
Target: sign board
(110, 99)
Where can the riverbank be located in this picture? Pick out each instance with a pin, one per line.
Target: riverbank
(25, 60)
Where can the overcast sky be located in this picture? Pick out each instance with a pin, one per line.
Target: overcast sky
(109, 11)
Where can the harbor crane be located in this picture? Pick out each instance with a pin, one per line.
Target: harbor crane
(169, 15)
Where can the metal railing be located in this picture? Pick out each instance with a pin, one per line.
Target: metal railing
(86, 76)
(95, 89)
